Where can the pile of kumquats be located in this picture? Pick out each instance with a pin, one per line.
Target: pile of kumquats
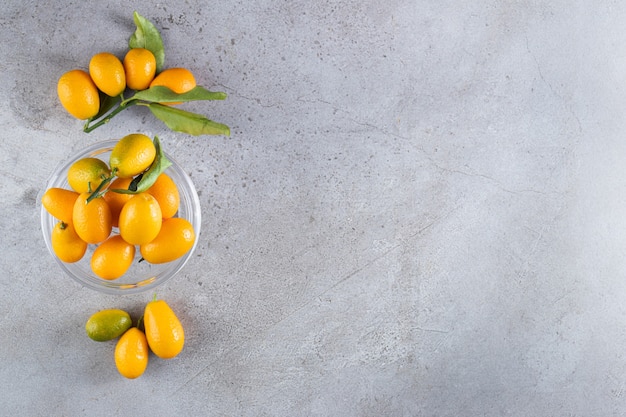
(112, 85)
(162, 334)
(131, 193)
(128, 203)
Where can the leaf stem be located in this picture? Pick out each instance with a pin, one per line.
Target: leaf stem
(107, 119)
(105, 182)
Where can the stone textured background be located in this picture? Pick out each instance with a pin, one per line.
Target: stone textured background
(420, 210)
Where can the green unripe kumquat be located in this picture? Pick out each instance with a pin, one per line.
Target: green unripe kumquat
(107, 324)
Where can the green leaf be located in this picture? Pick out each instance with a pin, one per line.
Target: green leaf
(162, 94)
(148, 37)
(143, 181)
(187, 122)
(135, 183)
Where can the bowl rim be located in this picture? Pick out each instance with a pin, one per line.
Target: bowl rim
(188, 193)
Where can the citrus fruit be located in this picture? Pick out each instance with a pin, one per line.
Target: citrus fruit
(107, 324)
(112, 258)
(107, 72)
(86, 174)
(174, 240)
(78, 94)
(59, 202)
(117, 200)
(132, 155)
(140, 68)
(164, 331)
(131, 353)
(66, 244)
(140, 219)
(179, 80)
(166, 193)
(92, 221)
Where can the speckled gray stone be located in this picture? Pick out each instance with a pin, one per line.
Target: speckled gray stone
(419, 212)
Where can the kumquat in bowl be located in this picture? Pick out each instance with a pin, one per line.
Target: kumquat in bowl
(121, 216)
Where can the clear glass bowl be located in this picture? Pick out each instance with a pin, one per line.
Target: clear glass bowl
(141, 276)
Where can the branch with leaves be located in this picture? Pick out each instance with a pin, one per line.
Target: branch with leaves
(159, 98)
(141, 182)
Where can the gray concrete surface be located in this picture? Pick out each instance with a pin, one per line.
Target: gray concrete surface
(420, 211)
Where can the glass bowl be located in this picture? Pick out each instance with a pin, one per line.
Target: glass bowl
(141, 276)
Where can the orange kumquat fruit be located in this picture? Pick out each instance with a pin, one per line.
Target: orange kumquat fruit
(78, 94)
(86, 174)
(179, 80)
(131, 353)
(140, 68)
(132, 155)
(140, 219)
(66, 244)
(59, 202)
(107, 72)
(174, 240)
(117, 200)
(112, 258)
(166, 193)
(92, 221)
